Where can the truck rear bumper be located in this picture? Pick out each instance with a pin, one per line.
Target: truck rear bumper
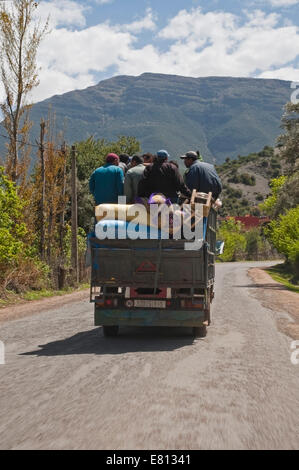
(149, 317)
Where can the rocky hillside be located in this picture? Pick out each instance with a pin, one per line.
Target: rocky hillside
(246, 181)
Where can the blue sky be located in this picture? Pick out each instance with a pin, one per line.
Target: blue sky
(95, 39)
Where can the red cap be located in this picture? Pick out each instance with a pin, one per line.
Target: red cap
(112, 158)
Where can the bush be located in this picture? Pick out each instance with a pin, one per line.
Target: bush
(266, 152)
(13, 231)
(234, 179)
(284, 234)
(234, 240)
(247, 179)
(275, 163)
(19, 268)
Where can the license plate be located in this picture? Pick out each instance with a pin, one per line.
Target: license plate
(150, 303)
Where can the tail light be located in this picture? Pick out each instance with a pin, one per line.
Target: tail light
(106, 303)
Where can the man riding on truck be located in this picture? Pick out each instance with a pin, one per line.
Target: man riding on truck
(162, 177)
(107, 182)
(200, 175)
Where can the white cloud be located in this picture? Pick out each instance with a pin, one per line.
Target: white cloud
(148, 22)
(198, 44)
(284, 73)
(101, 2)
(55, 82)
(62, 12)
(283, 3)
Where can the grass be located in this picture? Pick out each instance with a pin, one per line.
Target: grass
(282, 274)
(11, 298)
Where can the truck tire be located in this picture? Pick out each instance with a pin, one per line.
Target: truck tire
(110, 330)
(200, 331)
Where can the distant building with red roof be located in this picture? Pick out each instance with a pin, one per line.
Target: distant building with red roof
(249, 221)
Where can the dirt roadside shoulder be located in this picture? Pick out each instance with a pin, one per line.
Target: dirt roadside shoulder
(277, 297)
(14, 312)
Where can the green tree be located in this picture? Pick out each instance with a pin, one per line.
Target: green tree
(91, 154)
(234, 240)
(284, 234)
(289, 141)
(269, 206)
(13, 231)
(19, 267)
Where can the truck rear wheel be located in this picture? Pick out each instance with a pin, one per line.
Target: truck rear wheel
(110, 330)
(200, 331)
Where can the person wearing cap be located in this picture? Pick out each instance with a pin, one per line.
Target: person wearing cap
(107, 182)
(132, 178)
(162, 177)
(200, 175)
(148, 158)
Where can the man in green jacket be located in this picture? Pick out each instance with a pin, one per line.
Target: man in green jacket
(133, 176)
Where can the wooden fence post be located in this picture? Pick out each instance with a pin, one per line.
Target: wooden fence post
(43, 195)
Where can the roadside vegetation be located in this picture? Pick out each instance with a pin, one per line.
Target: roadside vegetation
(35, 258)
(282, 274)
(244, 245)
(281, 235)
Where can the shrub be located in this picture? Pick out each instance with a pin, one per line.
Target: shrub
(284, 234)
(234, 240)
(19, 268)
(13, 231)
(247, 179)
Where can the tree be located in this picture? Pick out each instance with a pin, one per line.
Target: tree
(285, 195)
(20, 36)
(269, 206)
(90, 155)
(19, 267)
(234, 240)
(49, 199)
(13, 231)
(284, 234)
(289, 141)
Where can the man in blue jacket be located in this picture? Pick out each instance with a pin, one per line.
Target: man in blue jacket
(107, 182)
(201, 176)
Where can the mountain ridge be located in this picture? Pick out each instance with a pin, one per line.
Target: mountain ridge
(221, 116)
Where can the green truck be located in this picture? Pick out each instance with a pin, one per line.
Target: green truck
(154, 282)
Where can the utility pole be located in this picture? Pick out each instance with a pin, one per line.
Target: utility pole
(75, 264)
(62, 214)
(43, 195)
(61, 268)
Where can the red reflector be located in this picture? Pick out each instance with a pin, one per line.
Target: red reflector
(146, 267)
(108, 302)
(168, 303)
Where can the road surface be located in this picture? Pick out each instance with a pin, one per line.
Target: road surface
(65, 386)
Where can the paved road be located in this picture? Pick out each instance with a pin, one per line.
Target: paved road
(66, 386)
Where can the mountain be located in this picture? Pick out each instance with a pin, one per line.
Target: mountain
(221, 116)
